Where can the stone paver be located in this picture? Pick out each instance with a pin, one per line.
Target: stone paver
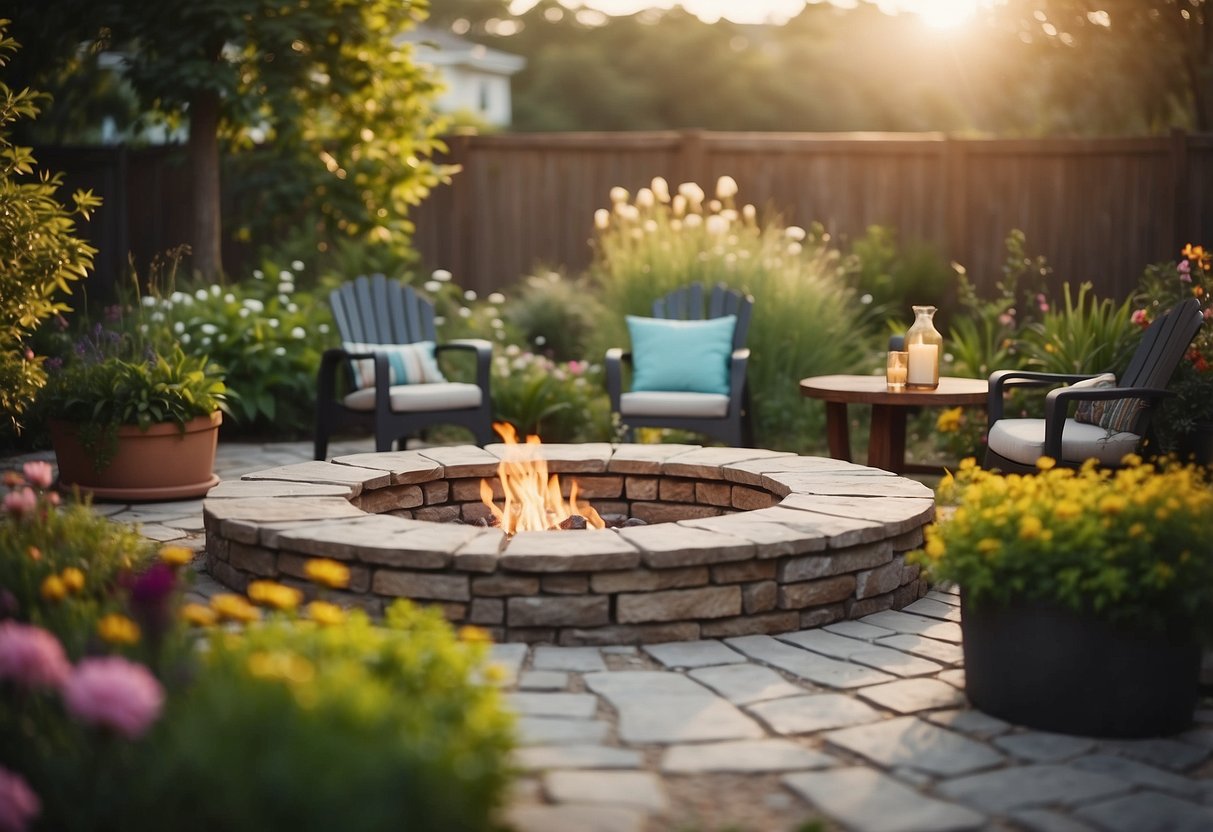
(638, 789)
(930, 648)
(1038, 785)
(868, 801)
(1040, 747)
(974, 723)
(890, 661)
(908, 696)
(543, 680)
(742, 684)
(565, 705)
(583, 818)
(919, 625)
(1148, 812)
(1166, 753)
(1047, 820)
(1139, 774)
(657, 707)
(742, 756)
(815, 712)
(581, 659)
(682, 654)
(932, 608)
(910, 742)
(541, 730)
(544, 757)
(807, 665)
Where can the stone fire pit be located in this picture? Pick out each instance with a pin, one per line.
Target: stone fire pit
(739, 541)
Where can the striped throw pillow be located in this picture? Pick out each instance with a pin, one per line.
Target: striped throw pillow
(408, 363)
(1113, 415)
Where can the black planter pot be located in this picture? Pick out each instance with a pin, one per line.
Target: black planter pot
(1058, 670)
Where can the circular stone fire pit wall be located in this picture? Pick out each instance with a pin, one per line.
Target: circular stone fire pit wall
(739, 541)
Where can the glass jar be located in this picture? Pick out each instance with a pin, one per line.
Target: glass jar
(925, 345)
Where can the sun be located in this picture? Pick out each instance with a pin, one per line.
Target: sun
(944, 14)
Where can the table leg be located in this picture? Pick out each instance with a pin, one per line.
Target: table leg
(838, 431)
(887, 438)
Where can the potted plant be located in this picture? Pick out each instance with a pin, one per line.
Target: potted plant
(1085, 594)
(133, 419)
(1184, 422)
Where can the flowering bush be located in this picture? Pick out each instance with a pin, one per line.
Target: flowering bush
(558, 401)
(806, 317)
(1126, 545)
(1162, 286)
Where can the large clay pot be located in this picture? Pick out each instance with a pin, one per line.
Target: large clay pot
(1055, 669)
(162, 463)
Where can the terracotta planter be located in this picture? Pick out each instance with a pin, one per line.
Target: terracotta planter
(1055, 669)
(162, 463)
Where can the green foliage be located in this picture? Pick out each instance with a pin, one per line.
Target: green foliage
(806, 315)
(1083, 335)
(267, 334)
(896, 276)
(38, 544)
(41, 254)
(559, 402)
(555, 315)
(1124, 544)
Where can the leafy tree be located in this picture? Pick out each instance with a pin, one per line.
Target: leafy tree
(40, 253)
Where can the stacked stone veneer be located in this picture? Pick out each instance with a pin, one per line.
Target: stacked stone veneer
(740, 541)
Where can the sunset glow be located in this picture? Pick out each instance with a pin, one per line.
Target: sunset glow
(937, 14)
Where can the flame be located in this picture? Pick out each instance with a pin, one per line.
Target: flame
(532, 498)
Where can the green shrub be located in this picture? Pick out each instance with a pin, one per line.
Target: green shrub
(897, 276)
(41, 254)
(557, 401)
(806, 318)
(554, 315)
(1082, 335)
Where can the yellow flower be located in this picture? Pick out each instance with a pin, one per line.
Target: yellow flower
(73, 579)
(176, 555)
(1113, 504)
(330, 573)
(284, 665)
(935, 548)
(232, 607)
(322, 612)
(1030, 527)
(117, 629)
(1046, 463)
(470, 632)
(199, 615)
(273, 594)
(1130, 460)
(53, 588)
(949, 420)
(495, 673)
(1137, 530)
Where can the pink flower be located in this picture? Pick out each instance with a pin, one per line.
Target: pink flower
(18, 803)
(113, 692)
(31, 656)
(20, 502)
(1184, 267)
(577, 367)
(1139, 317)
(1042, 302)
(39, 474)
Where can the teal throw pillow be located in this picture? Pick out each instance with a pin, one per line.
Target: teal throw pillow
(681, 356)
(408, 363)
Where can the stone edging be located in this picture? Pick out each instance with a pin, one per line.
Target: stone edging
(742, 541)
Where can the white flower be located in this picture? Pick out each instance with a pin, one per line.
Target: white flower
(292, 308)
(157, 317)
(497, 298)
(285, 275)
(178, 297)
(432, 285)
(323, 328)
(273, 322)
(497, 323)
(439, 320)
(726, 187)
(185, 338)
(602, 219)
(299, 333)
(178, 327)
(729, 214)
(209, 329)
(286, 287)
(627, 212)
(441, 275)
(216, 291)
(540, 340)
(513, 350)
(692, 192)
(749, 212)
(297, 265)
(866, 298)
(716, 224)
(619, 194)
(148, 300)
(469, 295)
(650, 226)
(244, 311)
(661, 189)
(794, 248)
(279, 350)
(284, 299)
(715, 205)
(258, 274)
(694, 220)
(794, 232)
(229, 298)
(675, 225)
(204, 341)
(644, 198)
(679, 205)
(254, 305)
(464, 312)
(200, 294)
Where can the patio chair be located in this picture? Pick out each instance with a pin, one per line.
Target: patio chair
(688, 366)
(394, 386)
(1112, 417)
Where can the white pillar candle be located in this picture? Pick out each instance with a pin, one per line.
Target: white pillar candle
(923, 360)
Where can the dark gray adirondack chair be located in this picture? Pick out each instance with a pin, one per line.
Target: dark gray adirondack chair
(376, 310)
(1014, 445)
(705, 413)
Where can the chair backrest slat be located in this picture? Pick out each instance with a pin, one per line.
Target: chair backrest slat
(1163, 345)
(687, 304)
(375, 310)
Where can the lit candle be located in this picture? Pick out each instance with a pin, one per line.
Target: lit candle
(897, 375)
(923, 361)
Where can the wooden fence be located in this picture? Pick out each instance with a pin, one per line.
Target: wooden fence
(1098, 209)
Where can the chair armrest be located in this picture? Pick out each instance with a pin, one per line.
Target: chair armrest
(737, 381)
(613, 365)
(331, 360)
(1057, 404)
(484, 357)
(1022, 378)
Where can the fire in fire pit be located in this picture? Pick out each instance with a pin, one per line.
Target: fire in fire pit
(533, 500)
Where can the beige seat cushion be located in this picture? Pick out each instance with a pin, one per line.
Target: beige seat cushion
(690, 405)
(1023, 441)
(449, 395)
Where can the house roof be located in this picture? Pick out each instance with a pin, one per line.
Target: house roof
(442, 48)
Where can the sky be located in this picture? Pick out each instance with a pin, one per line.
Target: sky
(939, 13)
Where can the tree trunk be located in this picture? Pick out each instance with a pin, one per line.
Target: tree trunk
(204, 171)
